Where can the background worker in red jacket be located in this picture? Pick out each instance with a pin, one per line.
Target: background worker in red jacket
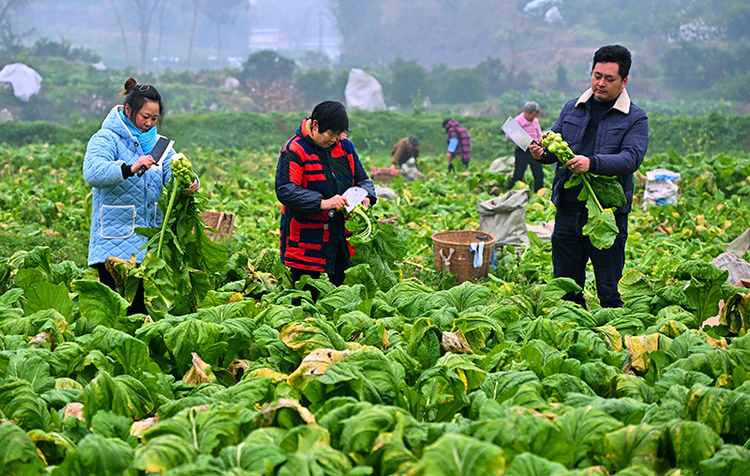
(459, 143)
(315, 168)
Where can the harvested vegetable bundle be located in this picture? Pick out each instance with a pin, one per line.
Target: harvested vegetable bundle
(377, 244)
(601, 193)
(190, 258)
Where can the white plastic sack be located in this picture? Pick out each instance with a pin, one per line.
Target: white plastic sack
(363, 91)
(502, 165)
(536, 4)
(505, 217)
(553, 16)
(410, 170)
(661, 187)
(384, 193)
(25, 80)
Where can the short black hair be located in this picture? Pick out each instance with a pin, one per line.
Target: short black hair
(331, 116)
(614, 54)
(445, 122)
(413, 140)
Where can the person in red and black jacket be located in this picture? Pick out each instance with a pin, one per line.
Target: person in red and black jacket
(459, 143)
(315, 168)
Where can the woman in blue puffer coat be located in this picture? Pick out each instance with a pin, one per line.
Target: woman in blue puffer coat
(123, 200)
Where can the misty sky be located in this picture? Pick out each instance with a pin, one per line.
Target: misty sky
(94, 24)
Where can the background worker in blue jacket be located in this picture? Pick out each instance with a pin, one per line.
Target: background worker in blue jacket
(609, 135)
(123, 200)
(315, 168)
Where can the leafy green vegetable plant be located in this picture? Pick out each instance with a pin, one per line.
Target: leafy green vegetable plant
(602, 195)
(179, 274)
(378, 245)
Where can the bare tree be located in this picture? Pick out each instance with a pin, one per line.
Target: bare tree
(144, 12)
(8, 39)
(122, 32)
(195, 4)
(221, 14)
(7, 6)
(161, 35)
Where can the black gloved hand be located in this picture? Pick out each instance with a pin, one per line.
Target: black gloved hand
(451, 168)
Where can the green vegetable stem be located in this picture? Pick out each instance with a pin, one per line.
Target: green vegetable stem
(554, 143)
(182, 176)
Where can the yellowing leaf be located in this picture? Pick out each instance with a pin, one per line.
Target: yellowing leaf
(268, 373)
(266, 416)
(614, 339)
(455, 342)
(314, 365)
(139, 427)
(639, 350)
(200, 372)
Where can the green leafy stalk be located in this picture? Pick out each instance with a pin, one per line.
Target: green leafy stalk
(585, 179)
(365, 235)
(165, 221)
(601, 227)
(377, 244)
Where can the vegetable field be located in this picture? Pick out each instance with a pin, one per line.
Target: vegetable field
(421, 377)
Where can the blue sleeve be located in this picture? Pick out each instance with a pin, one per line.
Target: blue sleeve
(452, 144)
(102, 167)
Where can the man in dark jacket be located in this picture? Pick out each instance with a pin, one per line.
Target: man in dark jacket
(609, 135)
(315, 168)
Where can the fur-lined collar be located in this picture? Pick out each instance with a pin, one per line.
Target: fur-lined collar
(622, 104)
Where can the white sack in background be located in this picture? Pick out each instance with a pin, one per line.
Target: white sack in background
(363, 91)
(25, 80)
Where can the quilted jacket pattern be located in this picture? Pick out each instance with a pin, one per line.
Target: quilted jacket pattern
(120, 205)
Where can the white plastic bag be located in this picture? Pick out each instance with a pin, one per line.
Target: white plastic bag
(661, 187)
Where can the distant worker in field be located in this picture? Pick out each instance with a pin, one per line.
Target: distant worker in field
(315, 168)
(122, 166)
(459, 143)
(528, 122)
(608, 134)
(404, 155)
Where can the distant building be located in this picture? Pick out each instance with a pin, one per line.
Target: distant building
(275, 40)
(267, 39)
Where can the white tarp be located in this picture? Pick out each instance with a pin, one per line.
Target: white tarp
(535, 4)
(25, 81)
(553, 16)
(363, 91)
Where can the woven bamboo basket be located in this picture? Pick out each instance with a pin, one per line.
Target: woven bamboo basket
(220, 221)
(452, 253)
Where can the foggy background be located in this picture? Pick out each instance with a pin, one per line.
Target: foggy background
(682, 49)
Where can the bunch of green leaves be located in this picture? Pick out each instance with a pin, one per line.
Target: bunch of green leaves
(186, 258)
(378, 245)
(602, 195)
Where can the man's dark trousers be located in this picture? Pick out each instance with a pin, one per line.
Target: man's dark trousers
(571, 250)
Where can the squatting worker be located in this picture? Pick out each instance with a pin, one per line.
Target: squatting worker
(122, 200)
(403, 150)
(404, 155)
(459, 143)
(315, 168)
(609, 135)
(528, 122)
